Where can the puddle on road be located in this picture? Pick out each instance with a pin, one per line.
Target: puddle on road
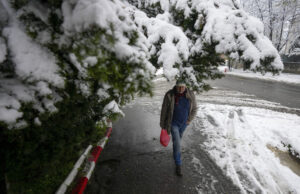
(286, 159)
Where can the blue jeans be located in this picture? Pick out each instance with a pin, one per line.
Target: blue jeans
(177, 133)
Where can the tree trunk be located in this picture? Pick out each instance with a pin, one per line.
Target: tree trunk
(281, 29)
(260, 11)
(271, 18)
(291, 27)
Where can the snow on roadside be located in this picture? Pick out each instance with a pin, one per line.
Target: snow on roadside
(283, 77)
(237, 139)
(238, 135)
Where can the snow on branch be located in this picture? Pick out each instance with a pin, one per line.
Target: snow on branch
(223, 24)
(113, 107)
(108, 50)
(168, 43)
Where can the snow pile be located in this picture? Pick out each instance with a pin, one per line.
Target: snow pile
(238, 138)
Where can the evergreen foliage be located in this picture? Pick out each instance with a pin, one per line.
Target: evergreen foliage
(40, 154)
(201, 64)
(40, 157)
(97, 63)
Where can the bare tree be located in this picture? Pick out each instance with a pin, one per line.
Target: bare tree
(280, 17)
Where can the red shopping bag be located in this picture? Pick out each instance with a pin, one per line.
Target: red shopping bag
(164, 138)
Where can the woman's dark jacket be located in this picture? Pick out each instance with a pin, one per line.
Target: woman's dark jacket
(167, 108)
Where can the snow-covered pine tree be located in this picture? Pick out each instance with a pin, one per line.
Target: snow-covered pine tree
(63, 61)
(197, 32)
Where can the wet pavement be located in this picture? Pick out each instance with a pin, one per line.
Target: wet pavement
(135, 162)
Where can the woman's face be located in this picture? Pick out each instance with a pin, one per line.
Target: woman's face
(180, 89)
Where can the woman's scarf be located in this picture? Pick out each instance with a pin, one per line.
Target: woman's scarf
(178, 95)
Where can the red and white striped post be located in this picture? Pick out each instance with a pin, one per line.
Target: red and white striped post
(88, 169)
(79, 189)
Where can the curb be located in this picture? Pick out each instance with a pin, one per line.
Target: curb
(89, 167)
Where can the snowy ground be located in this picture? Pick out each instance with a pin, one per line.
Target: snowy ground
(239, 140)
(244, 137)
(283, 77)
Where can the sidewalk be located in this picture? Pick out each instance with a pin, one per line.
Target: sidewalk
(283, 77)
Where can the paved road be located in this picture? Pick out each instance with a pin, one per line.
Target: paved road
(285, 94)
